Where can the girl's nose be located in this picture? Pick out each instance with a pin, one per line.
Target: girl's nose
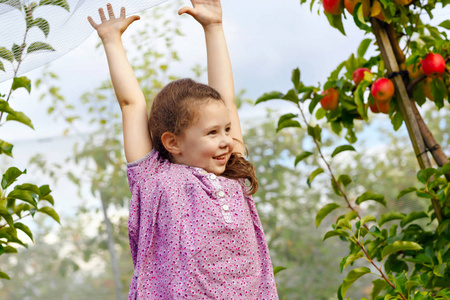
(227, 141)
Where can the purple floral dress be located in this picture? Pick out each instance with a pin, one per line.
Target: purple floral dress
(194, 235)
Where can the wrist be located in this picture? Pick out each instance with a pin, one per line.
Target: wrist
(213, 27)
(110, 38)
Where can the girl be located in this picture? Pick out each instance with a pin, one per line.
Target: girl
(194, 230)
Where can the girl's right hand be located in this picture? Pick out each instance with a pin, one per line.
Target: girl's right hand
(112, 28)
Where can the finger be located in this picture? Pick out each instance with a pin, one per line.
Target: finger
(122, 12)
(95, 25)
(131, 19)
(102, 15)
(187, 10)
(110, 11)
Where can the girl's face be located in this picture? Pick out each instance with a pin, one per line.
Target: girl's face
(207, 143)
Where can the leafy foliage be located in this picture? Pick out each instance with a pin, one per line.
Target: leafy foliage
(25, 199)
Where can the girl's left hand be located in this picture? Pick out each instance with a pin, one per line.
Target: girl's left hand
(206, 12)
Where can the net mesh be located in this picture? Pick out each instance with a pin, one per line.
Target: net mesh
(34, 33)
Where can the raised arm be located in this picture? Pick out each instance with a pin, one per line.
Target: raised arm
(137, 140)
(220, 76)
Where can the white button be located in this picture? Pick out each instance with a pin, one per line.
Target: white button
(213, 176)
(225, 207)
(221, 193)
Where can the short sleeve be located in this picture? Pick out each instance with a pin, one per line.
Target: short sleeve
(145, 167)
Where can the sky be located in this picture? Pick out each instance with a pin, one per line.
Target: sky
(266, 41)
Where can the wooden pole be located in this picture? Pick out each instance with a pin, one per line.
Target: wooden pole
(403, 102)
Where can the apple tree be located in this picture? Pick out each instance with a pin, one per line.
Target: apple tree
(407, 74)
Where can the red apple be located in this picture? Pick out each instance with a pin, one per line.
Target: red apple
(330, 99)
(350, 6)
(332, 7)
(382, 89)
(374, 108)
(358, 74)
(433, 65)
(383, 106)
(376, 11)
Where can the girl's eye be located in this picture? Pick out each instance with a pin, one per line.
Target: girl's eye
(212, 132)
(228, 129)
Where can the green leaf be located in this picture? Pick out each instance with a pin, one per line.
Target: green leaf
(445, 24)
(45, 194)
(9, 249)
(397, 121)
(6, 54)
(406, 191)
(336, 22)
(439, 91)
(2, 66)
(324, 211)
(37, 46)
(415, 215)
(21, 82)
(291, 96)
(4, 276)
(363, 46)
(269, 96)
(28, 187)
(315, 132)
(286, 121)
(344, 223)
(51, 212)
(350, 259)
(336, 232)
(443, 226)
(13, 3)
(6, 148)
(352, 276)
(393, 215)
(20, 117)
(43, 25)
(295, 78)
(60, 3)
(10, 176)
(342, 149)
(400, 246)
(24, 228)
(424, 175)
(4, 107)
(335, 187)
(378, 286)
(17, 52)
(278, 269)
(345, 180)
(7, 216)
(313, 175)
(358, 17)
(376, 232)
(369, 195)
(335, 74)
(302, 156)
(367, 219)
(22, 195)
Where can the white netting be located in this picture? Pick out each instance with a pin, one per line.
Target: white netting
(62, 24)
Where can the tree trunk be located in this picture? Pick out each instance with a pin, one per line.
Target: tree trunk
(112, 252)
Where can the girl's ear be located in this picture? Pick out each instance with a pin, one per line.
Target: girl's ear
(171, 143)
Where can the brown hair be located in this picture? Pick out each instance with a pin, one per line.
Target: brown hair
(173, 110)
